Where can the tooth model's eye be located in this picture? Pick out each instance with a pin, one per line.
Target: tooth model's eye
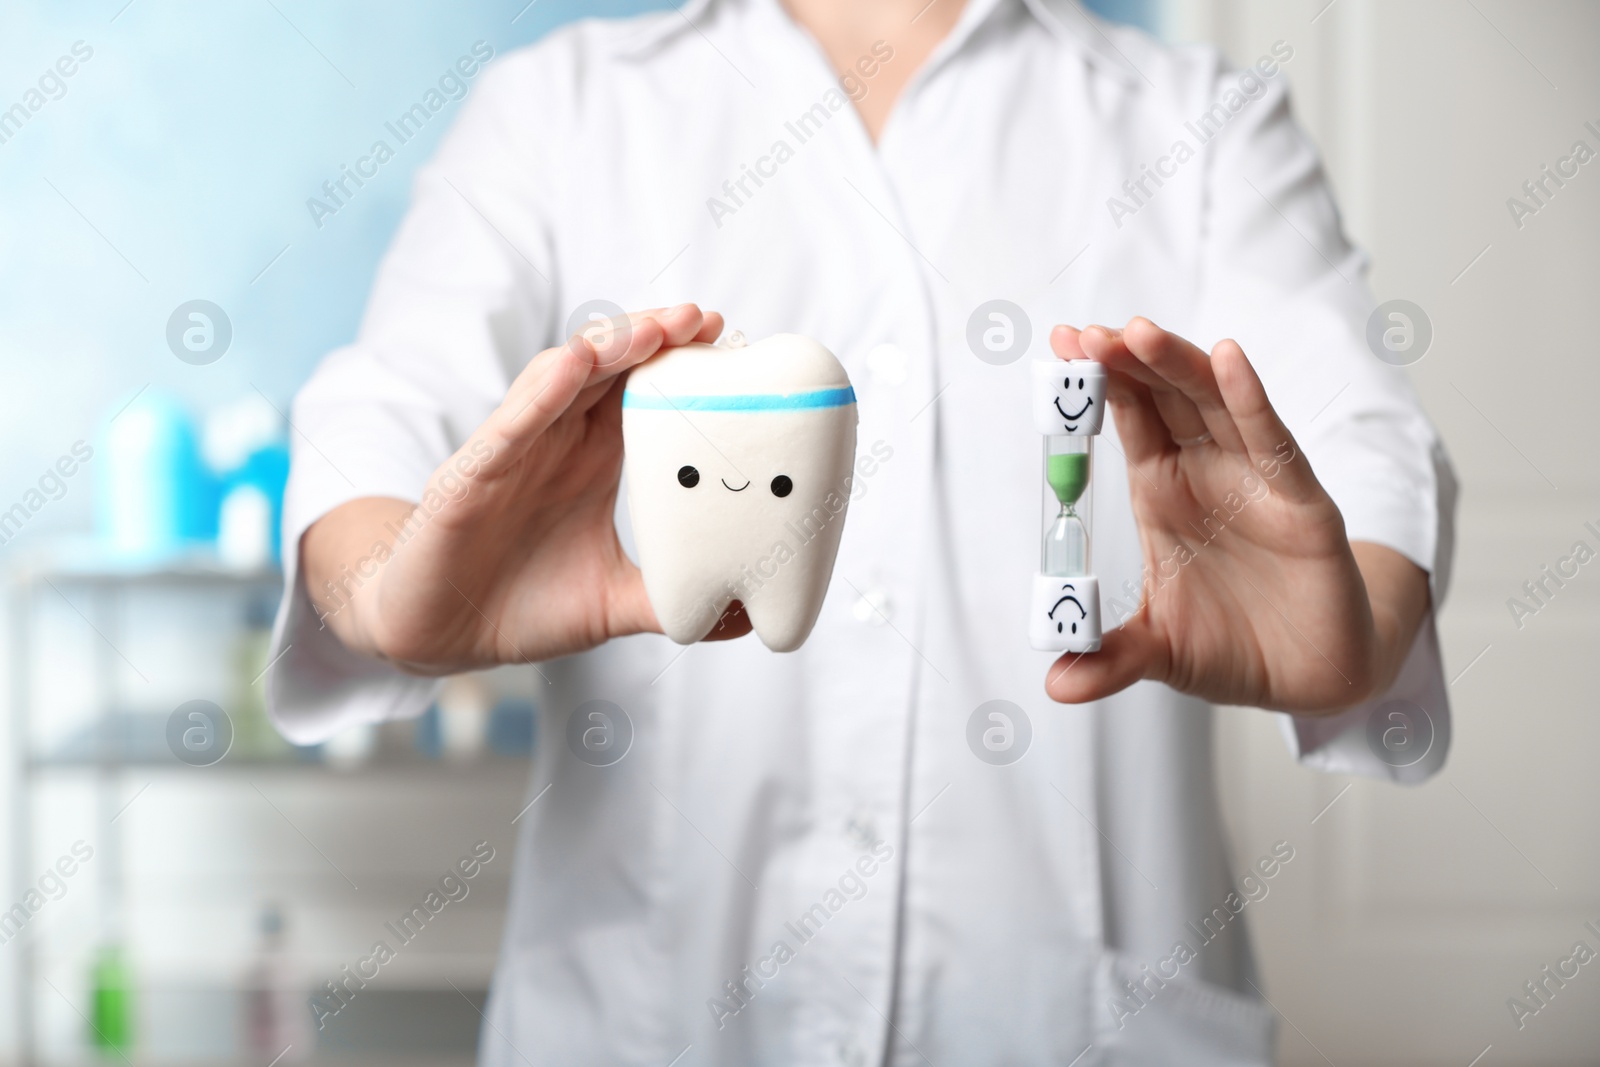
(782, 486)
(688, 477)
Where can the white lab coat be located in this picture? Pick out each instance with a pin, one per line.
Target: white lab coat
(1006, 906)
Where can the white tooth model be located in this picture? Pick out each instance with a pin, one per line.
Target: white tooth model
(1068, 405)
(738, 458)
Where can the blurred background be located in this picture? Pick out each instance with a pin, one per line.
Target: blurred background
(153, 205)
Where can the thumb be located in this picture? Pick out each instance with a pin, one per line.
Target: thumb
(1128, 654)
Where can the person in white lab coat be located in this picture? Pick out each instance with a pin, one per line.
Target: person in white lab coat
(799, 858)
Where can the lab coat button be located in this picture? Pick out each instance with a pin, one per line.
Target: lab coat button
(874, 607)
(862, 830)
(887, 365)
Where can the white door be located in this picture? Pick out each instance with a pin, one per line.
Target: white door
(1411, 917)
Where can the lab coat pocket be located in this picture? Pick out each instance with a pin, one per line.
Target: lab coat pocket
(1144, 1020)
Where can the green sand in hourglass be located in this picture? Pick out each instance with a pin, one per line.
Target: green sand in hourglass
(1068, 474)
(1066, 542)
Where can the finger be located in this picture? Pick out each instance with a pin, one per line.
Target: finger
(612, 337)
(644, 340)
(628, 611)
(1064, 342)
(1272, 448)
(543, 391)
(710, 328)
(625, 342)
(1180, 414)
(1144, 433)
(598, 390)
(682, 324)
(676, 326)
(1189, 371)
(627, 606)
(1145, 436)
(1128, 654)
(602, 402)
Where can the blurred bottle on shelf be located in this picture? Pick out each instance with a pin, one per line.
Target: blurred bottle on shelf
(351, 747)
(255, 738)
(111, 1002)
(275, 1013)
(513, 726)
(464, 705)
(243, 443)
(154, 496)
(163, 488)
(244, 529)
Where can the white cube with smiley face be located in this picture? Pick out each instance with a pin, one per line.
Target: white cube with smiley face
(1069, 397)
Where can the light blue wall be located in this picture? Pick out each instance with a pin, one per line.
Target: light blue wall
(177, 164)
(1145, 14)
(190, 141)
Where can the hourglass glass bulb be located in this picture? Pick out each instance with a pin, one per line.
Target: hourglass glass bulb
(1066, 546)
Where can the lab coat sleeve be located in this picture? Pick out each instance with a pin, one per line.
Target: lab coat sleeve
(461, 302)
(1279, 275)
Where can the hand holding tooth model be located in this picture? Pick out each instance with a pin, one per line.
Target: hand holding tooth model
(510, 552)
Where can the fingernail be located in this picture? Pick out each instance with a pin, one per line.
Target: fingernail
(680, 307)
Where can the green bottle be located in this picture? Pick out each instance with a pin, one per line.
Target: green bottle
(112, 1008)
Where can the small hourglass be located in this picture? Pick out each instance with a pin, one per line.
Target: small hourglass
(1068, 409)
(1066, 536)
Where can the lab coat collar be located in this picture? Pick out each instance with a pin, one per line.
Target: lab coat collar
(1066, 19)
(1083, 31)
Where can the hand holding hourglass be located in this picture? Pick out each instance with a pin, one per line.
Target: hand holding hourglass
(1281, 612)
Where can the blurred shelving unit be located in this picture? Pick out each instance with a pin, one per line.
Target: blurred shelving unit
(123, 741)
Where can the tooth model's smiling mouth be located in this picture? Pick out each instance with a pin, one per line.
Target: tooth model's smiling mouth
(741, 489)
(1079, 415)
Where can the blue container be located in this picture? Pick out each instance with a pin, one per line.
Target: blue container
(154, 496)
